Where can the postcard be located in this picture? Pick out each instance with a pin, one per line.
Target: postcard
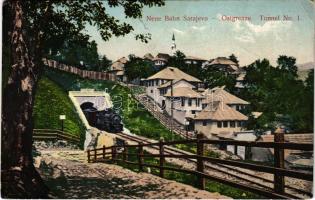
(157, 99)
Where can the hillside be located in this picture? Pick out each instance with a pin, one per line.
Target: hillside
(52, 101)
(137, 120)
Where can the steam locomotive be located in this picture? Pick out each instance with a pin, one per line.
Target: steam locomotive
(106, 120)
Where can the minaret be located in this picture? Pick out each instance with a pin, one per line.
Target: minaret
(173, 47)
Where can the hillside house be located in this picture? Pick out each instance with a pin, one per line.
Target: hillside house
(219, 94)
(160, 83)
(218, 119)
(194, 60)
(161, 60)
(293, 158)
(148, 57)
(223, 64)
(118, 69)
(186, 103)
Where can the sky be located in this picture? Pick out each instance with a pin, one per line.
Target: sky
(249, 40)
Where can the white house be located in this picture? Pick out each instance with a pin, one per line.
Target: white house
(161, 59)
(219, 119)
(118, 69)
(186, 103)
(159, 83)
(223, 64)
(219, 94)
(194, 60)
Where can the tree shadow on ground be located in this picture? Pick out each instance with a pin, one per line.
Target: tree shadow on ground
(82, 187)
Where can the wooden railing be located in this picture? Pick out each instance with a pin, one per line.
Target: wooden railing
(278, 170)
(51, 134)
(80, 72)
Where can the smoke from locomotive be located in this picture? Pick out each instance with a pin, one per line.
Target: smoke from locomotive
(106, 120)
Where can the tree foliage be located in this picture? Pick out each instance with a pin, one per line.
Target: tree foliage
(233, 58)
(178, 60)
(75, 53)
(104, 64)
(137, 68)
(276, 91)
(213, 78)
(33, 29)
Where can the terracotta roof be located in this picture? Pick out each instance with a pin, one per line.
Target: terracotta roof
(219, 94)
(122, 60)
(163, 55)
(241, 77)
(168, 83)
(120, 73)
(117, 66)
(219, 111)
(194, 58)
(184, 92)
(222, 61)
(298, 138)
(148, 56)
(163, 59)
(290, 137)
(256, 114)
(173, 73)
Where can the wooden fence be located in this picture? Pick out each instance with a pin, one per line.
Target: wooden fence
(278, 170)
(82, 73)
(51, 134)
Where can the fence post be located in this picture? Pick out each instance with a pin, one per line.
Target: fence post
(88, 154)
(95, 155)
(104, 152)
(114, 153)
(279, 161)
(125, 152)
(161, 157)
(140, 158)
(200, 164)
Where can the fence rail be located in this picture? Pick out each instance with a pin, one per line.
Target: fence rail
(278, 170)
(51, 134)
(82, 73)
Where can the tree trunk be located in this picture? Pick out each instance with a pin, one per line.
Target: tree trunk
(19, 177)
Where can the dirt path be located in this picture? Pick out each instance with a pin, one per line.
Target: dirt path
(69, 176)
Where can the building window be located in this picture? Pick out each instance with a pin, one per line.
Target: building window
(219, 124)
(183, 101)
(239, 124)
(151, 91)
(197, 102)
(204, 123)
(204, 105)
(237, 107)
(189, 102)
(232, 124)
(225, 124)
(193, 112)
(157, 82)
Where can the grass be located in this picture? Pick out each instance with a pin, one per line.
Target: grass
(141, 122)
(52, 101)
(134, 116)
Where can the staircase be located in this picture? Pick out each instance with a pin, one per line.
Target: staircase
(163, 117)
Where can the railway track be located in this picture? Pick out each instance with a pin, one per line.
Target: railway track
(230, 173)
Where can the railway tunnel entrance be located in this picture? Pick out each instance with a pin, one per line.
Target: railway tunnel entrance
(95, 110)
